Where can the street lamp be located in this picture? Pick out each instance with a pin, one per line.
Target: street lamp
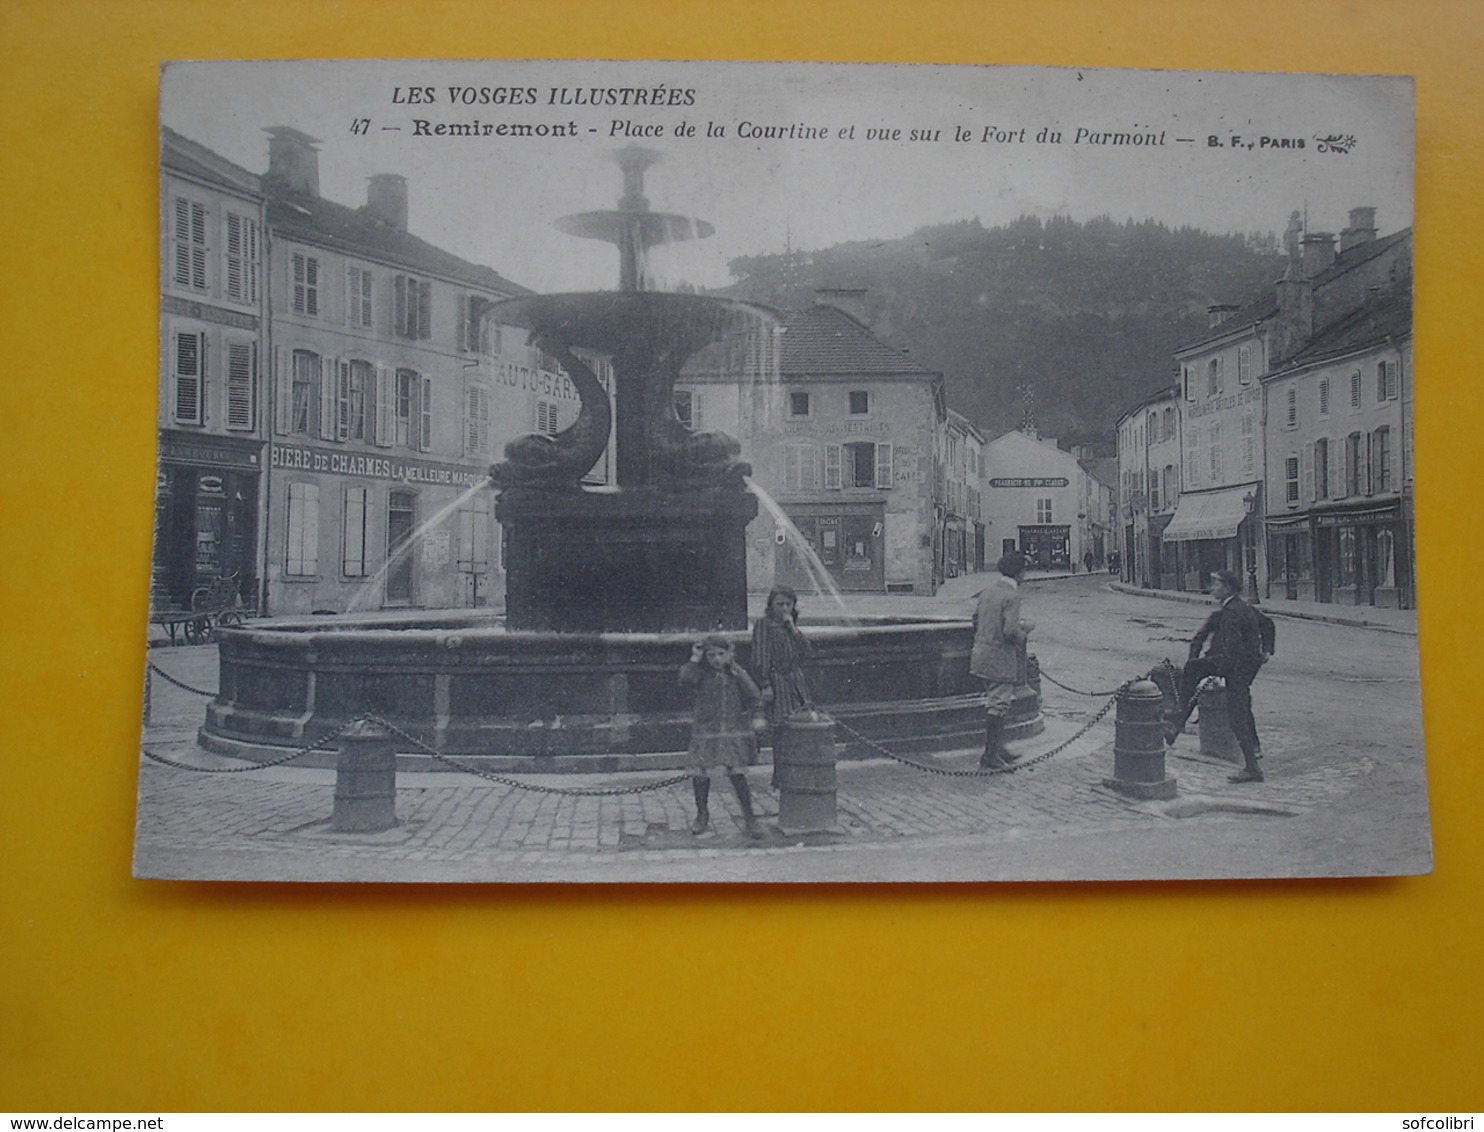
(1249, 501)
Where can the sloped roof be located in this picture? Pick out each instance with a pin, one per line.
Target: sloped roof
(824, 341)
(1267, 306)
(318, 221)
(181, 155)
(1104, 469)
(1381, 318)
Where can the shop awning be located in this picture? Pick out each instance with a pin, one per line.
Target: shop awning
(1208, 514)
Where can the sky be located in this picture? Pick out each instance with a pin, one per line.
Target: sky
(999, 142)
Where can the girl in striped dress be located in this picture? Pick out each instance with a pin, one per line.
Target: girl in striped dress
(779, 651)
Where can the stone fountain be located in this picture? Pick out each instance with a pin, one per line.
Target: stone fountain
(606, 588)
(666, 549)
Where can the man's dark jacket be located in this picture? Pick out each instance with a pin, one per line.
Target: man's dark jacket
(1236, 640)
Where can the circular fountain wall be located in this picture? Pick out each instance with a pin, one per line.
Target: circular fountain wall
(536, 701)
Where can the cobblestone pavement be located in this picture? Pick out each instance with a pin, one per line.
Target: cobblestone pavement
(273, 823)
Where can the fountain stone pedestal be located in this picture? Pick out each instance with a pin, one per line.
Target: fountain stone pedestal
(636, 560)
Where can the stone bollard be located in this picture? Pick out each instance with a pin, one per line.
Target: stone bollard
(1217, 739)
(1138, 746)
(805, 758)
(365, 780)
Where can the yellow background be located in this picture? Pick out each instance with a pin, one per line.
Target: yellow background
(120, 994)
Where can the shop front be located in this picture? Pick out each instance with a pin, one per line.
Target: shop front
(846, 538)
(1047, 547)
(1351, 556)
(1214, 530)
(206, 507)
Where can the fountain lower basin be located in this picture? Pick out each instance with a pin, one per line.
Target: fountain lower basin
(574, 702)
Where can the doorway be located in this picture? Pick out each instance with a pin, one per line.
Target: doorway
(400, 520)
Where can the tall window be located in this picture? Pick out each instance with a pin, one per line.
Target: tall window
(1381, 464)
(688, 408)
(1043, 511)
(1354, 463)
(413, 410)
(1355, 389)
(1324, 397)
(1215, 454)
(1192, 458)
(303, 533)
(1170, 487)
(1321, 468)
(475, 337)
(242, 258)
(357, 389)
(306, 285)
(1292, 402)
(412, 307)
(1152, 431)
(1214, 376)
(242, 384)
(190, 378)
(1169, 424)
(1244, 365)
(1249, 443)
(1291, 475)
(303, 381)
(189, 240)
(1385, 381)
(801, 467)
(358, 308)
(353, 540)
(1153, 491)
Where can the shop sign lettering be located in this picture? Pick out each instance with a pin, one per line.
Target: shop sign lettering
(296, 458)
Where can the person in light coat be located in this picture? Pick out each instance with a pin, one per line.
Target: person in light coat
(998, 658)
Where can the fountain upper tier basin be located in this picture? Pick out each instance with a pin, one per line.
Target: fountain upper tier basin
(620, 321)
(533, 701)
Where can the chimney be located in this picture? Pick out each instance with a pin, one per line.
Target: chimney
(1319, 253)
(1362, 229)
(386, 199)
(1294, 324)
(850, 300)
(1218, 313)
(293, 161)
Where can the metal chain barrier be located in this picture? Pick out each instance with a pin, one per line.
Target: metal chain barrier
(576, 791)
(155, 668)
(317, 745)
(1078, 691)
(985, 772)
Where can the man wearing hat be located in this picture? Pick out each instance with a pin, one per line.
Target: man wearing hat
(999, 654)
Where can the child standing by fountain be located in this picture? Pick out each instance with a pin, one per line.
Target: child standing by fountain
(779, 651)
(728, 712)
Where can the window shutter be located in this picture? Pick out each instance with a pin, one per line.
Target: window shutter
(832, 456)
(424, 310)
(425, 412)
(234, 256)
(1370, 463)
(329, 416)
(399, 313)
(1336, 470)
(190, 377)
(883, 465)
(239, 385)
(1307, 452)
(385, 407)
(1355, 389)
(697, 414)
(283, 393)
(183, 241)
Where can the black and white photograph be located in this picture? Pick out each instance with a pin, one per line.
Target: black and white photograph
(717, 472)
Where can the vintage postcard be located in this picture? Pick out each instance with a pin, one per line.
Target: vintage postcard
(712, 472)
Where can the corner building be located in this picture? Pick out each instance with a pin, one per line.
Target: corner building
(845, 433)
(391, 393)
(210, 476)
